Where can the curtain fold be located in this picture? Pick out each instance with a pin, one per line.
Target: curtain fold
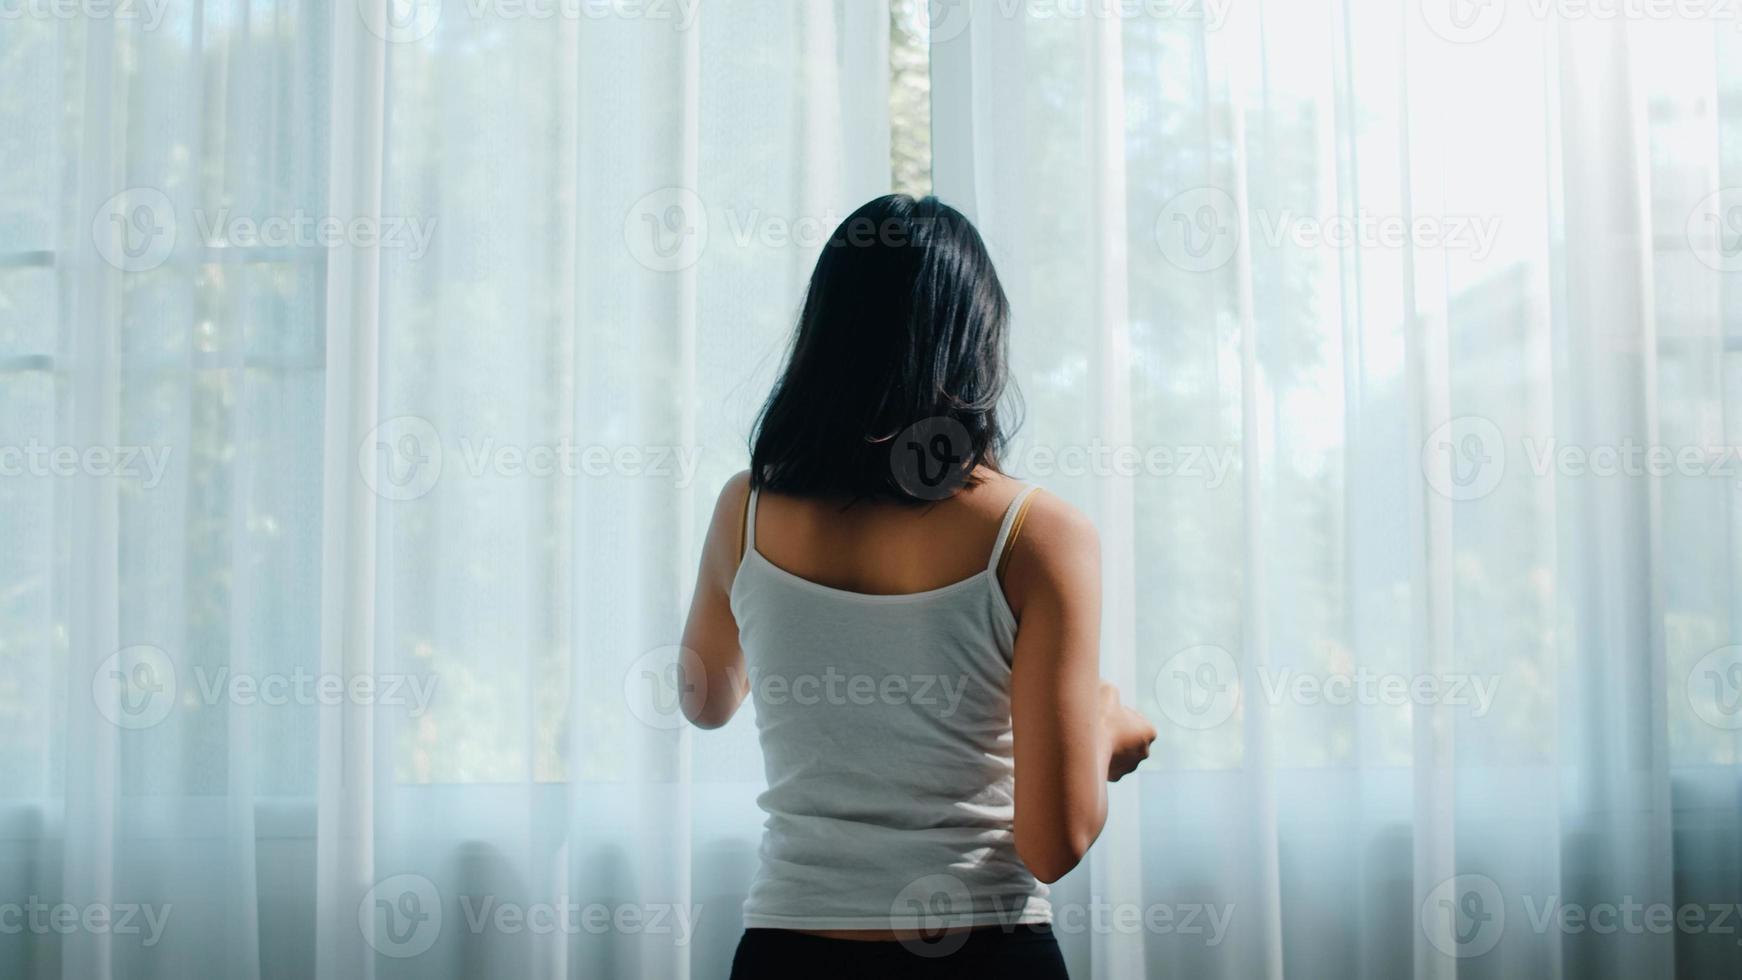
(445, 321)
(1418, 280)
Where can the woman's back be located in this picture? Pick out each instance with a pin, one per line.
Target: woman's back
(879, 641)
(881, 547)
(936, 732)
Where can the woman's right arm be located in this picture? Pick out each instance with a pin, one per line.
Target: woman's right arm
(1071, 733)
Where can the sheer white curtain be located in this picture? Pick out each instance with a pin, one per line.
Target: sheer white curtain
(1307, 293)
(1341, 318)
(365, 679)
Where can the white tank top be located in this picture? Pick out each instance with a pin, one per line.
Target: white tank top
(885, 730)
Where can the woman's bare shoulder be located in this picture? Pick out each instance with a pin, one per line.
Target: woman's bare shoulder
(1057, 552)
(1053, 519)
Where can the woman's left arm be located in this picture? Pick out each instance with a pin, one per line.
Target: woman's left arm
(712, 664)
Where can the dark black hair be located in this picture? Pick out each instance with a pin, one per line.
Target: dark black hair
(892, 386)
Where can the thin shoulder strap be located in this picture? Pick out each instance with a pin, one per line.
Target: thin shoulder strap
(747, 526)
(1012, 526)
